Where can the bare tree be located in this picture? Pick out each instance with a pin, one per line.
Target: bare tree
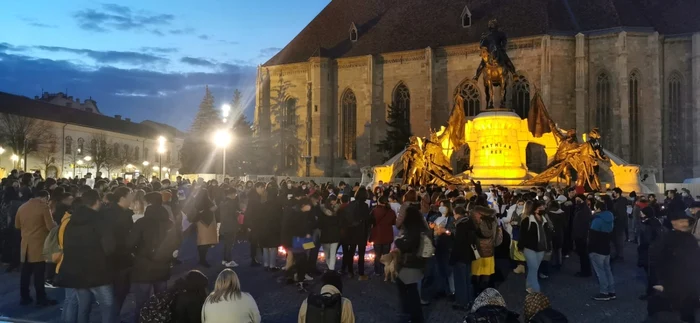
(23, 135)
(46, 152)
(99, 150)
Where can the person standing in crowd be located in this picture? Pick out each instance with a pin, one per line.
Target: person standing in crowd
(443, 226)
(152, 244)
(314, 215)
(671, 258)
(649, 229)
(410, 198)
(34, 222)
(461, 258)
(382, 234)
(63, 206)
(138, 205)
(11, 202)
(487, 232)
(411, 264)
(253, 212)
(640, 204)
(206, 225)
(619, 210)
(270, 222)
(229, 213)
(89, 244)
(534, 242)
(512, 225)
(228, 304)
(190, 297)
(599, 239)
(119, 221)
(581, 226)
(332, 285)
(298, 227)
(358, 221)
(330, 225)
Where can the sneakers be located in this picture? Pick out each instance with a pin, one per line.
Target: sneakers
(363, 278)
(49, 285)
(612, 296)
(308, 278)
(602, 297)
(543, 276)
(230, 264)
(301, 288)
(519, 270)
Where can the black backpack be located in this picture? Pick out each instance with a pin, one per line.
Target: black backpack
(324, 308)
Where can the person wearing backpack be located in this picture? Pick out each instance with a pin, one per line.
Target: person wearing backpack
(328, 306)
(488, 233)
(85, 269)
(152, 241)
(414, 244)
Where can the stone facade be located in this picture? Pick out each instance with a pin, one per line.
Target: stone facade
(584, 80)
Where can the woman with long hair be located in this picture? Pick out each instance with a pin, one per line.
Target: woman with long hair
(443, 225)
(411, 265)
(228, 304)
(206, 225)
(534, 242)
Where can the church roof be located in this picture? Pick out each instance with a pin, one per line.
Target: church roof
(386, 26)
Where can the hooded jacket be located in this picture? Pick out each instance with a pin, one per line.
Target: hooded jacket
(347, 316)
(601, 233)
(145, 237)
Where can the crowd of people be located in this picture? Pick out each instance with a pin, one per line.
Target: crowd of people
(102, 239)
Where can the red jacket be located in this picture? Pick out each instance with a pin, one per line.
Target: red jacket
(384, 219)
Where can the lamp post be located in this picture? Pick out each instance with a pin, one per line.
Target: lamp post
(222, 139)
(161, 150)
(145, 164)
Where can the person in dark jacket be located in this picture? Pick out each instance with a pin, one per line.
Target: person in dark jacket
(411, 265)
(382, 234)
(271, 226)
(229, 212)
(357, 223)
(118, 216)
(147, 238)
(490, 307)
(298, 227)
(314, 215)
(560, 222)
(538, 309)
(192, 293)
(330, 224)
(254, 211)
(581, 225)
(86, 270)
(11, 247)
(461, 258)
(534, 241)
(673, 260)
(649, 230)
(619, 210)
(599, 239)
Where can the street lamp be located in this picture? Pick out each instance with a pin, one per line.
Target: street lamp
(161, 151)
(222, 139)
(225, 110)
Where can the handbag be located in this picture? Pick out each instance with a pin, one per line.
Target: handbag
(475, 250)
(300, 244)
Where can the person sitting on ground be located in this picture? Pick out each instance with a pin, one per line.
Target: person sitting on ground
(328, 302)
(538, 309)
(228, 304)
(490, 307)
(187, 305)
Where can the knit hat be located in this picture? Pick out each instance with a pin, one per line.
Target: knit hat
(489, 296)
(649, 212)
(534, 303)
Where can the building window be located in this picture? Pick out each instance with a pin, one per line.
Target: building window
(402, 102)
(136, 154)
(676, 125)
(145, 153)
(635, 134)
(353, 32)
(521, 96)
(603, 109)
(289, 114)
(69, 145)
(115, 150)
(81, 146)
(466, 17)
(472, 98)
(93, 147)
(348, 125)
(126, 151)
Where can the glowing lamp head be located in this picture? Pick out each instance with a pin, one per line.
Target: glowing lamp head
(2, 150)
(161, 150)
(87, 158)
(225, 110)
(222, 138)
(80, 162)
(145, 163)
(14, 157)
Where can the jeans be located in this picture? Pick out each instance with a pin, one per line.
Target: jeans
(330, 249)
(582, 251)
(619, 242)
(349, 253)
(142, 291)
(122, 284)
(444, 271)
(379, 251)
(229, 240)
(37, 271)
(410, 301)
(104, 296)
(601, 265)
(464, 291)
(533, 260)
(70, 306)
(269, 257)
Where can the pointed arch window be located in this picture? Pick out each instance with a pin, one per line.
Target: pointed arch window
(353, 32)
(81, 146)
(472, 98)
(136, 153)
(466, 17)
(348, 125)
(521, 96)
(93, 147)
(635, 120)
(145, 153)
(603, 109)
(677, 123)
(126, 150)
(402, 102)
(69, 145)
(289, 116)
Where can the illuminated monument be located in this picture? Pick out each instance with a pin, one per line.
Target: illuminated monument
(498, 138)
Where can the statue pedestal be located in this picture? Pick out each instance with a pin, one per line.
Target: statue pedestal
(495, 153)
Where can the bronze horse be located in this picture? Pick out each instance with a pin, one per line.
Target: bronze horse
(495, 64)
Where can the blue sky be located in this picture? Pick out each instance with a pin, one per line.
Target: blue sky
(145, 59)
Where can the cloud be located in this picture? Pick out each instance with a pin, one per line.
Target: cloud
(203, 37)
(34, 23)
(197, 61)
(170, 98)
(5, 47)
(117, 17)
(160, 50)
(110, 56)
(267, 52)
(183, 31)
(228, 42)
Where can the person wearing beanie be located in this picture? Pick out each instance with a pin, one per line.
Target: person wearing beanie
(649, 230)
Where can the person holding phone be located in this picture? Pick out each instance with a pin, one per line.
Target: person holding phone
(443, 225)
